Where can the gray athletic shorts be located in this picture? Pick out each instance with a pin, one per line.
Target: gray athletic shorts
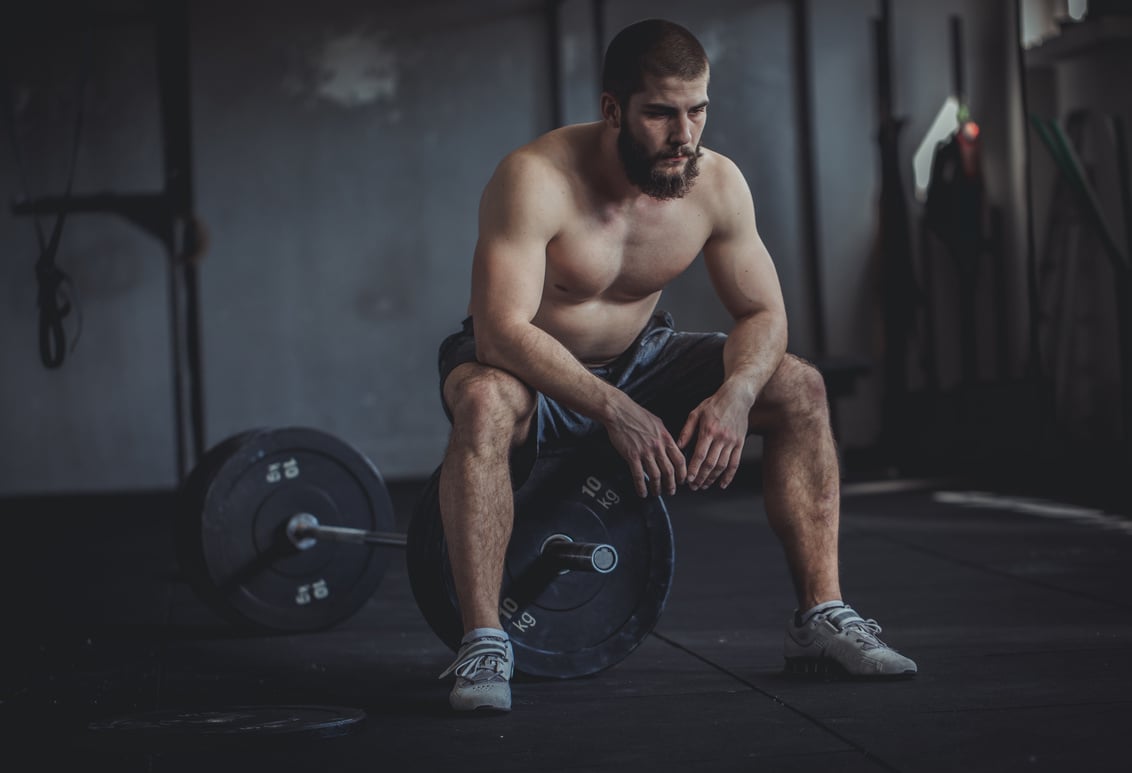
(666, 371)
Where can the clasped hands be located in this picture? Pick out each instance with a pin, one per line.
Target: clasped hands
(714, 431)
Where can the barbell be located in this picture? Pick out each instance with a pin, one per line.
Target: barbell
(288, 529)
(304, 532)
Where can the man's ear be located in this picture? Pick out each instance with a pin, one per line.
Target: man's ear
(610, 110)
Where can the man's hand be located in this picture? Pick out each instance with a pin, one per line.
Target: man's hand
(719, 425)
(643, 441)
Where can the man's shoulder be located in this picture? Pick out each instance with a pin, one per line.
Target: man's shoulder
(549, 161)
(720, 170)
(558, 149)
(720, 182)
(722, 193)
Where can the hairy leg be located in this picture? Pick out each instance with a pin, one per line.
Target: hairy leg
(801, 477)
(491, 414)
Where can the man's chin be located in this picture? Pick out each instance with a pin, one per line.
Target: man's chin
(665, 194)
(666, 187)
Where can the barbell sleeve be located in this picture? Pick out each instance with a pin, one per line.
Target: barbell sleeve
(580, 556)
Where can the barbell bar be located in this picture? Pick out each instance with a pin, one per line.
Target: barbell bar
(304, 531)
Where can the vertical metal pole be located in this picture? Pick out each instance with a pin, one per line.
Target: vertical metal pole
(1123, 283)
(804, 114)
(1035, 369)
(172, 20)
(957, 82)
(597, 15)
(554, 51)
(176, 338)
(897, 280)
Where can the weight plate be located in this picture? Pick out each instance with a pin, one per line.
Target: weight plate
(236, 506)
(561, 624)
(187, 524)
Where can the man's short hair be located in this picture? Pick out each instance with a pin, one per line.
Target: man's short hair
(654, 47)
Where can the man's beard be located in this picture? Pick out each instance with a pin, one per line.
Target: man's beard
(641, 169)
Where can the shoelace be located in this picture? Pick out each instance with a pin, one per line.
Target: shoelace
(868, 629)
(488, 654)
(846, 619)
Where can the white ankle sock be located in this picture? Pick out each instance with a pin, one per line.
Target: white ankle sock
(802, 618)
(477, 633)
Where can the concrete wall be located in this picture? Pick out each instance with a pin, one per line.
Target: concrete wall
(104, 420)
(341, 172)
(339, 156)
(340, 150)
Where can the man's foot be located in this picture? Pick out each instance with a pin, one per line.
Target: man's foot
(483, 669)
(836, 641)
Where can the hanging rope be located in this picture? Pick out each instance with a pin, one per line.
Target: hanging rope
(57, 295)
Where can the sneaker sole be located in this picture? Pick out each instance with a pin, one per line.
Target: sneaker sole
(485, 709)
(829, 669)
(479, 708)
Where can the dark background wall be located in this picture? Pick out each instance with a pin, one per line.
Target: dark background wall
(339, 152)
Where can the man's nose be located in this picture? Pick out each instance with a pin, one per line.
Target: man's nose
(681, 131)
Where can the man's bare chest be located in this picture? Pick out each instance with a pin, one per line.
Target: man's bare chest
(621, 260)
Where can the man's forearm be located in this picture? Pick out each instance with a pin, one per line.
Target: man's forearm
(541, 362)
(754, 349)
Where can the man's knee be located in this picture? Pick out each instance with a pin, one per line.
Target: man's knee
(796, 390)
(488, 401)
(804, 383)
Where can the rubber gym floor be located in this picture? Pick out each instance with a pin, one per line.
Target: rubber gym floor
(1017, 613)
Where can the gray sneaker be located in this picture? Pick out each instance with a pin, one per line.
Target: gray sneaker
(839, 642)
(483, 669)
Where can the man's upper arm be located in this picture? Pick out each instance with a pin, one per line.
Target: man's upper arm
(737, 261)
(519, 215)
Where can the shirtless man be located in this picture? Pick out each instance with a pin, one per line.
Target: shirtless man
(579, 232)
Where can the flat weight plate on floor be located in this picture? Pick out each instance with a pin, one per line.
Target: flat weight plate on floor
(561, 625)
(235, 506)
(172, 729)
